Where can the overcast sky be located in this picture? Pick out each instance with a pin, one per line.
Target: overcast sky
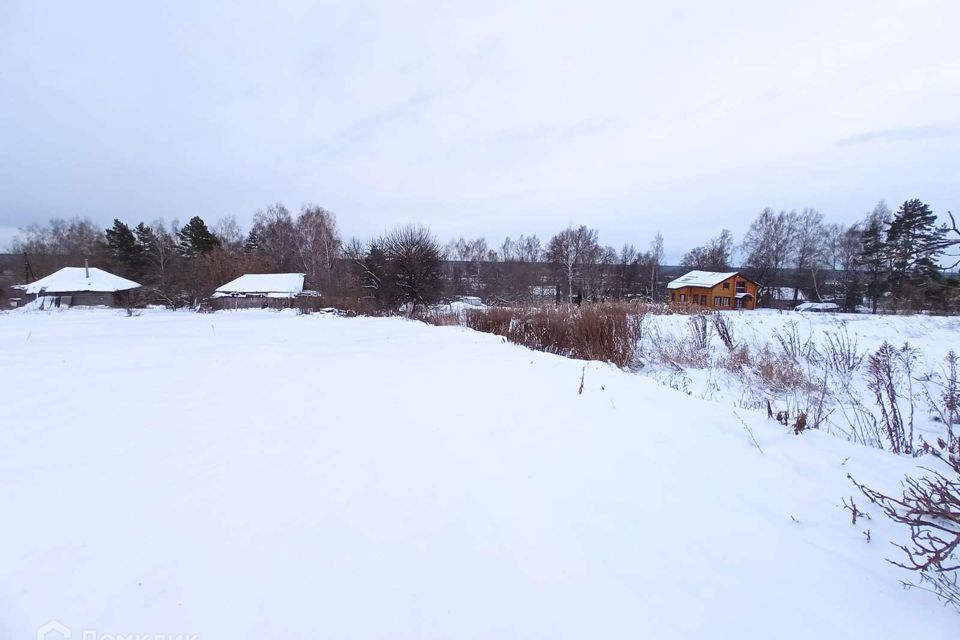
(478, 118)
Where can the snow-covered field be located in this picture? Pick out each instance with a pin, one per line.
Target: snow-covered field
(267, 475)
(929, 339)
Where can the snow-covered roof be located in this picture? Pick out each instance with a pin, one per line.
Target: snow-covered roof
(817, 306)
(705, 279)
(79, 279)
(288, 284)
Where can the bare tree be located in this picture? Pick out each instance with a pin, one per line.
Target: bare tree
(808, 249)
(767, 246)
(655, 260)
(228, 231)
(412, 259)
(627, 267)
(570, 250)
(160, 256)
(273, 238)
(59, 243)
(715, 255)
(529, 249)
(318, 245)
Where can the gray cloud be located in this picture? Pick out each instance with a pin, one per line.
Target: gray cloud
(494, 118)
(907, 134)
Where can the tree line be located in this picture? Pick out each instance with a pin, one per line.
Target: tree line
(890, 259)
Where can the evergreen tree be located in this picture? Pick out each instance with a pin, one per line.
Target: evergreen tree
(254, 242)
(126, 254)
(913, 244)
(873, 254)
(194, 238)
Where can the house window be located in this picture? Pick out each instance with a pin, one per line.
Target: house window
(683, 297)
(739, 303)
(716, 301)
(741, 286)
(726, 285)
(726, 302)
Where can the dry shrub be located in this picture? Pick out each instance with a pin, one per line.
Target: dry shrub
(796, 348)
(889, 377)
(699, 332)
(354, 306)
(439, 319)
(682, 309)
(737, 359)
(678, 354)
(496, 320)
(607, 332)
(841, 352)
(722, 327)
(548, 329)
(779, 373)
(951, 392)
(930, 508)
(944, 397)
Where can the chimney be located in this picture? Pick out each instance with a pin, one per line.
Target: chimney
(86, 267)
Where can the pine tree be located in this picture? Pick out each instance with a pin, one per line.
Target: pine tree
(254, 242)
(913, 244)
(194, 238)
(126, 254)
(874, 255)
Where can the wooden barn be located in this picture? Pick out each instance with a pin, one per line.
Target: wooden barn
(715, 290)
(80, 286)
(260, 291)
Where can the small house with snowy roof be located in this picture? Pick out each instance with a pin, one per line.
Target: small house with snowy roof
(260, 290)
(80, 286)
(717, 290)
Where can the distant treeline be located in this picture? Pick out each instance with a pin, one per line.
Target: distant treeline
(898, 260)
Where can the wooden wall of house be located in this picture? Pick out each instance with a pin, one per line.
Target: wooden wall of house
(250, 302)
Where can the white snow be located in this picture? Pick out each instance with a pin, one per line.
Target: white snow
(285, 285)
(817, 306)
(79, 279)
(267, 475)
(706, 279)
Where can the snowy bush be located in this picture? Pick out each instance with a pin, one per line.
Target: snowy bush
(930, 507)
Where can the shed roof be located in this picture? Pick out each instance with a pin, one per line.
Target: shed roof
(79, 279)
(289, 284)
(705, 279)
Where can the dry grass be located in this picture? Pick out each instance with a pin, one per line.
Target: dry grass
(607, 332)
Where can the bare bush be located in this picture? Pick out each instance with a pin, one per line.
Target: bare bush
(779, 373)
(493, 320)
(737, 360)
(722, 327)
(841, 352)
(607, 332)
(699, 331)
(951, 392)
(944, 398)
(887, 371)
(930, 508)
(796, 348)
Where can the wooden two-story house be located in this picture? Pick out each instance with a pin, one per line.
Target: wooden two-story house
(714, 290)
